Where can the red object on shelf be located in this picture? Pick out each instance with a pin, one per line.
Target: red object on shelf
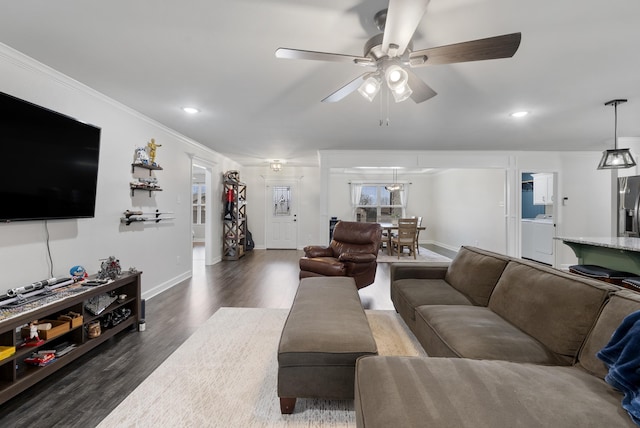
(40, 359)
(37, 342)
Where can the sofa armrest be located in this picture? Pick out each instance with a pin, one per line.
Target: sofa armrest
(317, 251)
(357, 257)
(418, 271)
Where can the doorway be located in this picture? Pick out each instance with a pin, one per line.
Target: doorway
(201, 212)
(538, 216)
(281, 214)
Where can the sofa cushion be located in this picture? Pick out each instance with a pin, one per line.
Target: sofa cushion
(456, 392)
(476, 332)
(411, 293)
(556, 308)
(621, 304)
(475, 272)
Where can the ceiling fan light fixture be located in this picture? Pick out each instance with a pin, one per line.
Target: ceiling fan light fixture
(402, 93)
(616, 158)
(370, 87)
(396, 77)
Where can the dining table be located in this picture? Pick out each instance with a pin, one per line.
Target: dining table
(389, 228)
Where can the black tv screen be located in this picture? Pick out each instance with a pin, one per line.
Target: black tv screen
(48, 163)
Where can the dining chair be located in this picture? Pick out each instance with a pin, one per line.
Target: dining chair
(407, 229)
(418, 235)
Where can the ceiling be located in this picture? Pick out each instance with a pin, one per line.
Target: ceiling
(158, 56)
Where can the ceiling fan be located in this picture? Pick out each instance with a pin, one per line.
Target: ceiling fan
(390, 55)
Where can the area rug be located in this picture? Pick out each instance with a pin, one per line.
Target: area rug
(424, 256)
(225, 375)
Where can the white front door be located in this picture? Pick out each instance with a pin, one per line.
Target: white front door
(281, 211)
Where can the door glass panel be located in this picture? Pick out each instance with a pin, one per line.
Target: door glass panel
(281, 201)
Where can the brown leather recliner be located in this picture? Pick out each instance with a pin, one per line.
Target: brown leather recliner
(353, 252)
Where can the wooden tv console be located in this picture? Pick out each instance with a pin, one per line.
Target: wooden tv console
(16, 376)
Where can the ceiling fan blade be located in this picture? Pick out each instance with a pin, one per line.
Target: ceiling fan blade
(421, 91)
(504, 46)
(287, 53)
(403, 17)
(346, 89)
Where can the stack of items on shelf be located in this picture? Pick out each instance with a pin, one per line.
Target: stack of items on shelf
(46, 356)
(41, 358)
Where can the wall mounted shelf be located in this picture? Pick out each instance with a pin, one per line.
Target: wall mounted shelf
(147, 189)
(145, 166)
(142, 217)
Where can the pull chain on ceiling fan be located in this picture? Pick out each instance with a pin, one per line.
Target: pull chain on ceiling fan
(391, 55)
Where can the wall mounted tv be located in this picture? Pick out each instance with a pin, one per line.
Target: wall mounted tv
(48, 163)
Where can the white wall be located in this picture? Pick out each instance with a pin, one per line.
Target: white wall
(467, 208)
(162, 251)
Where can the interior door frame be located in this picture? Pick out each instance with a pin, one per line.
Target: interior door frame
(268, 184)
(209, 168)
(554, 211)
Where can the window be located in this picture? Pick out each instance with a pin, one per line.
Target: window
(199, 199)
(378, 205)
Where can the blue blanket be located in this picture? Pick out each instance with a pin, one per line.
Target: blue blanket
(622, 356)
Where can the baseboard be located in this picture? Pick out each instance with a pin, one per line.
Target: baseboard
(442, 245)
(166, 285)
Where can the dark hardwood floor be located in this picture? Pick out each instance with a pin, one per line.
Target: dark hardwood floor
(83, 393)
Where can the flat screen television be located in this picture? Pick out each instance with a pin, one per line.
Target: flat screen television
(48, 163)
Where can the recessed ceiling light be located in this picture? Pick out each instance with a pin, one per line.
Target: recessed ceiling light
(519, 114)
(190, 110)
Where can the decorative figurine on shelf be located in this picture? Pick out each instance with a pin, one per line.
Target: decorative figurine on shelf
(151, 145)
(33, 331)
(78, 273)
(110, 268)
(228, 208)
(34, 338)
(141, 157)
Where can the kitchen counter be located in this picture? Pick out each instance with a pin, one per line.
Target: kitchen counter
(618, 253)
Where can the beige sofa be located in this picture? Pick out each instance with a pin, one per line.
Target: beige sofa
(510, 344)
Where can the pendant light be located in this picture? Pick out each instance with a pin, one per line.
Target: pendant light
(616, 158)
(395, 186)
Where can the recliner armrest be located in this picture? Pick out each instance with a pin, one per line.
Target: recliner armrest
(318, 251)
(357, 257)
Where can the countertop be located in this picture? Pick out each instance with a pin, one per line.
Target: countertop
(538, 220)
(618, 243)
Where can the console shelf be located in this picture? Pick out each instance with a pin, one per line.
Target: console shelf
(17, 376)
